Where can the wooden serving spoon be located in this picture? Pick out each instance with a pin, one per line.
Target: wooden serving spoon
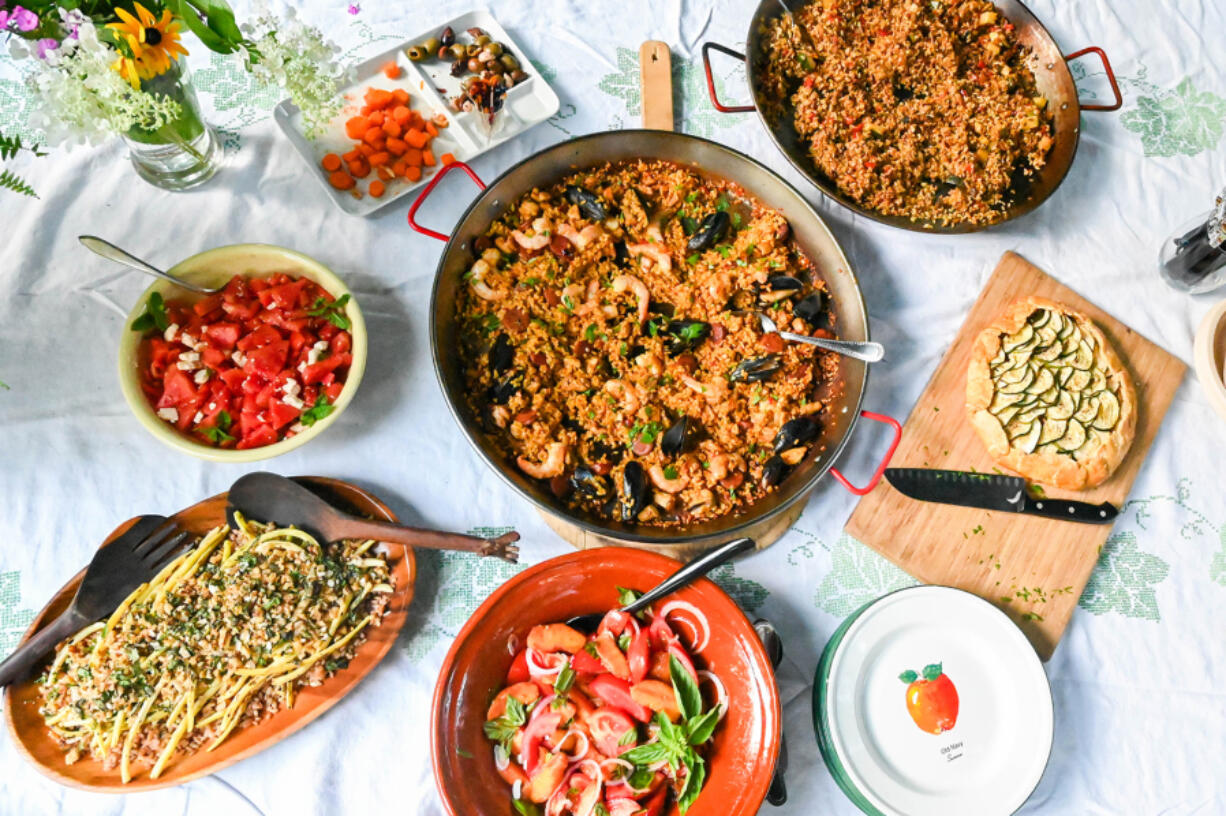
(272, 498)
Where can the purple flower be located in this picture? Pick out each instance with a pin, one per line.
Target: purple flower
(44, 45)
(24, 19)
(354, 8)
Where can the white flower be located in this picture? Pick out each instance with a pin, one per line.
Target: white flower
(295, 56)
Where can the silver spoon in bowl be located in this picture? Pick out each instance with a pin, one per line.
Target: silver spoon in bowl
(868, 351)
(113, 253)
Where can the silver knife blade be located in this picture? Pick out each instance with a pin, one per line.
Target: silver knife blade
(990, 491)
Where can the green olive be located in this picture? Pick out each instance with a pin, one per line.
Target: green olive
(472, 49)
(432, 45)
(484, 39)
(509, 62)
(494, 66)
(494, 48)
(458, 51)
(415, 53)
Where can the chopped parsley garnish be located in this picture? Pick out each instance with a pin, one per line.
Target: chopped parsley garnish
(645, 432)
(724, 250)
(154, 315)
(670, 472)
(332, 311)
(692, 259)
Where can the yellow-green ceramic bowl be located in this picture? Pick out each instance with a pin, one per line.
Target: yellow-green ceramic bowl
(213, 268)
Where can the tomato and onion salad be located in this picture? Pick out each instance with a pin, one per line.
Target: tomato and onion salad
(608, 724)
(256, 363)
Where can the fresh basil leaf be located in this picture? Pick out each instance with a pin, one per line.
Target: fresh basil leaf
(702, 727)
(526, 808)
(689, 698)
(628, 738)
(641, 778)
(648, 754)
(695, 777)
(566, 679)
(154, 315)
(625, 597)
(623, 642)
(318, 411)
(332, 311)
(516, 714)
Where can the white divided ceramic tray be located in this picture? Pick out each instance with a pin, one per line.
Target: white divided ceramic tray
(430, 86)
(995, 750)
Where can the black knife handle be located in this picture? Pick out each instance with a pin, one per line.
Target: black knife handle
(1069, 510)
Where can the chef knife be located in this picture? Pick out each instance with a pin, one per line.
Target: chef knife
(993, 492)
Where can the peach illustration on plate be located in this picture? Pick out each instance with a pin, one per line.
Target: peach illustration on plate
(932, 700)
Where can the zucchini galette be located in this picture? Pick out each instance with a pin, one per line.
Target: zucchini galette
(1049, 396)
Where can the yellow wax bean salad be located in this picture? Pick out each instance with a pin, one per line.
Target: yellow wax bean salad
(223, 637)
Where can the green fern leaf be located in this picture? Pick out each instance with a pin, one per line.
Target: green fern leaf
(10, 181)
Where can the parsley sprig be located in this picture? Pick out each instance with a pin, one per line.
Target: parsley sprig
(677, 742)
(331, 310)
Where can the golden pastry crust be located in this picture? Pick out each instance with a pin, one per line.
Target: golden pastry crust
(1049, 396)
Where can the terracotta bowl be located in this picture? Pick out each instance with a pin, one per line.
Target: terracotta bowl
(742, 756)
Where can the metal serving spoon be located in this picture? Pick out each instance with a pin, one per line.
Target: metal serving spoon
(777, 794)
(869, 352)
(682, 577)
(113, 253)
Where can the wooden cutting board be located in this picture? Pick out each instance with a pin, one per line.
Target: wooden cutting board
(1033, 568)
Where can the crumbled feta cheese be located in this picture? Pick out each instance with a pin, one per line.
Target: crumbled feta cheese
(187, 340)
(201, 346)
(297, 427)
(187, 365)
(190, 356)
(302, 367)
(316, 352)
(198, 418)
(169, 414)
(170, 332)
(212, 407)
(239, 359)
(293, 402)
(291, 387)
(202, 376)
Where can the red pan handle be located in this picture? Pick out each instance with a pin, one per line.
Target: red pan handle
(421, 197)
(706, 65)
(889, 454)
(1115, 86)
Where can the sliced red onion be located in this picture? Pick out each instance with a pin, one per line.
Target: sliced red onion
(618, 763)
(513, 644)
(501, 759)
(624, 807)
(580, 739)
(701, 630)
(559, 801)
(517, 789)
(721, 693)
(539, 666)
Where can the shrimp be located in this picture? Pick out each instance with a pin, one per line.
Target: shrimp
(580, 238)
(654, 253)
(539, 240)
(623, 282)
(554, 464)
(476, 279)
(675, 485)
(713, 391)
(625, 392)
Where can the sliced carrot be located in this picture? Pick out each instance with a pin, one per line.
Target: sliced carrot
(376, 118)
(401, 96)
(412, 173)
(376, 188)
(398, 167)
(396, 147)
(427, 157)
(447, 158)
(416, 138)
(360, 168)
(366, 111)
(374, 133)
(341, 180)
(431, 129)
(413, 157)
(416, 121)
(385, 173)
(356, 126)
(392, 128)
(331, 162)
(391, 71)
(352, 155)
(401, 114)
(379, 159)
(378, 98)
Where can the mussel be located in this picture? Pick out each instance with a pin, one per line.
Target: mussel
(779, 287)
(621, 255)
(634, 493)
(710, 230)
(684, 335)
(604, 452)
(502, 353)
(810, 308)
(679, 437)
(756, 369)
(773, 471)
(587, 482)
(795, 432)
(500, 393)
(588, 202)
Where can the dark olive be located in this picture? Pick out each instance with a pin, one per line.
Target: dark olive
(633, 495)
(795, 432)
(710, 230)
(502, 354)
(679, 437)
(684, 335)
(773, 471)
(588, 202)
(587, 482)
(447, 37)
(756, 369)
(810, 308)
(459, 68)
(518, 76)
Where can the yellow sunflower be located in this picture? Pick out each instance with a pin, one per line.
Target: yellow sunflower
(153, 42)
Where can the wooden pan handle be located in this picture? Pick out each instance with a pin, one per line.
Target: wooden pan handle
(656, 76)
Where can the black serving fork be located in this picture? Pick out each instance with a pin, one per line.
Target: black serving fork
(116, 571)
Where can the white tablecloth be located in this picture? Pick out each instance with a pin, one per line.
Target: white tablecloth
(1139, 678)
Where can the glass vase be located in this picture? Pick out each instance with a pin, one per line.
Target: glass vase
(182, 153)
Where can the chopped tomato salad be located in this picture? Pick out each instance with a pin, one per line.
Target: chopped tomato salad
(609, 723)
(256, 363)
